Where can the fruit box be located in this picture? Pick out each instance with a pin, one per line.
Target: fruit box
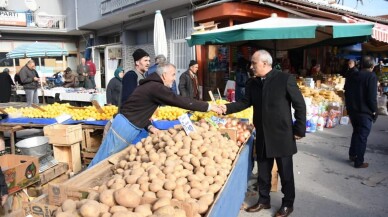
(63, 134)
(20, 171)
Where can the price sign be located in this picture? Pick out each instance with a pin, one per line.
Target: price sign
(211, 122)
(218, 120)
(187, 125)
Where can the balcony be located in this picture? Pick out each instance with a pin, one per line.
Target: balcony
(46, 21)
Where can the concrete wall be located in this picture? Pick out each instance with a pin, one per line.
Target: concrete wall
(88, 11)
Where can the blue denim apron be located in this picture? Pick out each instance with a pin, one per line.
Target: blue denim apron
(120, 135)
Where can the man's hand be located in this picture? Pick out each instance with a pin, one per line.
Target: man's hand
(217, 109)
(296, 137)
(223, 107)
(36, 79)
(374, 117)
(154, 130)
(4, 199)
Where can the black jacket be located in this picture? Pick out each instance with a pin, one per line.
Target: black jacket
(272, 116)
(150, 94)
(361, 92)
(186, 85)
(5, 87)
(113, 92)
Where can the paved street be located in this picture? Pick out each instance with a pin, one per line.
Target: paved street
(327, 185)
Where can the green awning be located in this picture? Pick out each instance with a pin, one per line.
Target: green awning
(285, 30)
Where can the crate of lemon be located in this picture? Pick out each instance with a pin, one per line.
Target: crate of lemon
(56, 109)
(171, 113)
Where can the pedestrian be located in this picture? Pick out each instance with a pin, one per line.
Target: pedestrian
(158, 59)
(241, 78)
(137, 110)
(361, 104)
(83, 71)
(92, 73)
(271, 93)
(70, 78)
(351, 68)
(3, 188)
(113, 91)
(6, 84)
(131, 78)
(188, 82)
(30, 80)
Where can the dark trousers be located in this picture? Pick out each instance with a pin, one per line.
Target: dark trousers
(286, 173)
(362, 124)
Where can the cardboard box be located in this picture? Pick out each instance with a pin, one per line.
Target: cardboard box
(39, 210)
(63, 134)
(57, 193)
(20, 171)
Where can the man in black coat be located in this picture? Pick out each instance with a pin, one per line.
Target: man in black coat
(272, 93)
(188, 82)
(361, 104)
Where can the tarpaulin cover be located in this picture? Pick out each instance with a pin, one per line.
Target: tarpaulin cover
(49, 121)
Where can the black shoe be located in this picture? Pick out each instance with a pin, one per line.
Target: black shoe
(257, 207)
(363, 165)
(352, 158)
(284, 211)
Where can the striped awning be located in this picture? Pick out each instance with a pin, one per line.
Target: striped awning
(379, 31)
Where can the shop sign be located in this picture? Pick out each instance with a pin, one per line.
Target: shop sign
(10, 18)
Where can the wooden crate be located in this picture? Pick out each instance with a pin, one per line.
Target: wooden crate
(63, 134)
(70, 154)
(87, 157)
(91, 139)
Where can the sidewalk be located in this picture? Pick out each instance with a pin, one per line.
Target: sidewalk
(327, 185)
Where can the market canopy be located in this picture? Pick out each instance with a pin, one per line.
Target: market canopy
(37, 49)
(287, 32)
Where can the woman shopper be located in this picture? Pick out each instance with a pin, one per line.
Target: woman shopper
(5, 86)
(113, 91)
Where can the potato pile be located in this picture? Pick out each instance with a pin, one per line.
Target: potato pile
(161, 176)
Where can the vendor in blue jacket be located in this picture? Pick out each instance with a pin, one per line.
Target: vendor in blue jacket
(136, 111)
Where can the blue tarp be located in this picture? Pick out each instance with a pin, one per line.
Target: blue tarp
(49, 121)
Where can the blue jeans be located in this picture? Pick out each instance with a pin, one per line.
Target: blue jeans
(31, 96)
(119, 136)
(362, 124)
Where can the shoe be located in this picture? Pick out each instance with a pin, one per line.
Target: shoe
(284, 211)
(352, 158)
(257, 207)
(363, 165)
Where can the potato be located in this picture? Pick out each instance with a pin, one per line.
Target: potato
(164, 193)
(69, 205)
(126, 197)
(107, 198)
(202, 207)
(169, 185)
(207, 198)
(214, 188)
(160, 203)
(195, 162)
(179, 213)
(155, 187)
(144, 210)
(89, 210)
(106, 214)
(165, 210)
(126, 214)
(65, 214)
(131, 179)
(115, 209)
(195, 193)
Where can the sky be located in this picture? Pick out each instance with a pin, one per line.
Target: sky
(369, 7)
